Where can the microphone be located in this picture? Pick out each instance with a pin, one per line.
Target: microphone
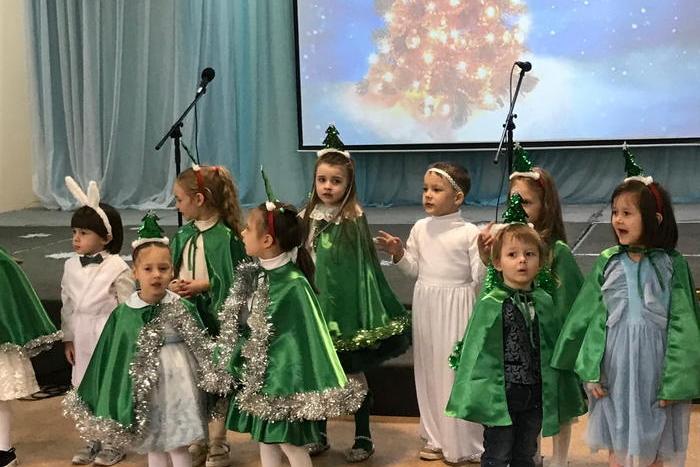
(207, 76)
(525, 66)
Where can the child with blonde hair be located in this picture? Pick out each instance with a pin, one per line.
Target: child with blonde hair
(206, 252)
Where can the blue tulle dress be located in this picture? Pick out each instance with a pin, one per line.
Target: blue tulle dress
(629, 421)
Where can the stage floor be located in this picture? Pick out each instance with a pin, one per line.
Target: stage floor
(44, 438)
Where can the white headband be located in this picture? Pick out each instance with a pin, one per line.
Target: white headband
(141, 241)
(645, 180)
(327, 150)
(532, 175)
(91, 199)
(447, 177)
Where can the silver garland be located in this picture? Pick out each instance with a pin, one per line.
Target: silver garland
(229, 317)
(144, 373)
(312, 405)
(35, 346)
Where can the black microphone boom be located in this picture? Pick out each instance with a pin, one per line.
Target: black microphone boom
(207, 76)
(525, 66)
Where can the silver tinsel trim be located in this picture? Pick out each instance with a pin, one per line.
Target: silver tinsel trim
(144, 371)
(229, 317)
(35, 346)
(313, 405)
(91, 427)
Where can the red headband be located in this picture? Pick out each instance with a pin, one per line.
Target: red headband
(657, 197)
(200, 182)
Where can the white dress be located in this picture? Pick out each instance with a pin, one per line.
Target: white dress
(178, 406)
(442, 253)
(17, 377)
(89, 295)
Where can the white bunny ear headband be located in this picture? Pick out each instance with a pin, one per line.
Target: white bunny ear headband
(91, 199)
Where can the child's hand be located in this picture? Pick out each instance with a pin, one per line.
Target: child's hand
(193, 287)
(69, 350)
(390, 244)
(484, 241)
(596, 390)
(175, 286)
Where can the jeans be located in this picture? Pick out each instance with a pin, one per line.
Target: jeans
(515, 445)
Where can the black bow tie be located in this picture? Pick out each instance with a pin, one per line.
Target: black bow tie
(85, 260)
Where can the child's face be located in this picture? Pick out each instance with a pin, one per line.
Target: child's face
(519, 262)
(331, 183)
(87, 242)
(439, 198)
(256, 242)
(154, 271)
(189, 206)
(532, 201)
(627, 220)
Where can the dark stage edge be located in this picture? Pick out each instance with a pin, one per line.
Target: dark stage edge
(392, 383)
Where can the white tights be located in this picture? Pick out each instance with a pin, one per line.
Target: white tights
(5, 415)
(560, 446)
(271, 455)
(180, 457)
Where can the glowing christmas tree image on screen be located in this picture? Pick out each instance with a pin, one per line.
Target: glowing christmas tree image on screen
(442, 60)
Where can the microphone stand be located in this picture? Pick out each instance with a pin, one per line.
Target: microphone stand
(175, 133)
(509, 126)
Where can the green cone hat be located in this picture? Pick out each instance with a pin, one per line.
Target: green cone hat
(332, 142)
(522, 165)
(150, 231)
(633, 170)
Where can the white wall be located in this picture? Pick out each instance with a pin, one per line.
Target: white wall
(15, 123)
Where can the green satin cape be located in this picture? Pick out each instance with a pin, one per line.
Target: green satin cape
(112, 404)
(290, 373)
(24, 324)
(581, 344)
(479, 393)
(568, 281)
(223, 250)
(367, 322)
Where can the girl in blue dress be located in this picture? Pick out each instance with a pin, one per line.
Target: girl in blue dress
(630, 333)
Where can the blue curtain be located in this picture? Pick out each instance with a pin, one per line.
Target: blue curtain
(109, 77)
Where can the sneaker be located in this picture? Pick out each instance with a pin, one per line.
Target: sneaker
(8, 458)
(429, 453)
(198, 452)
(109, 455)
(87, 453)
(219, 454)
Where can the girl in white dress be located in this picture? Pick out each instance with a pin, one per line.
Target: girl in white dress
(442, 252)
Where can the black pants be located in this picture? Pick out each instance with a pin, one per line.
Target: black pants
(515, 445)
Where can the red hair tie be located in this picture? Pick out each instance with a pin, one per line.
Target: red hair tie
(657, 197)
(200, 182)
(271, 223)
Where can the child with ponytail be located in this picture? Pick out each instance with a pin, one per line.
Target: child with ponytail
(284, 358)
(206, 252)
